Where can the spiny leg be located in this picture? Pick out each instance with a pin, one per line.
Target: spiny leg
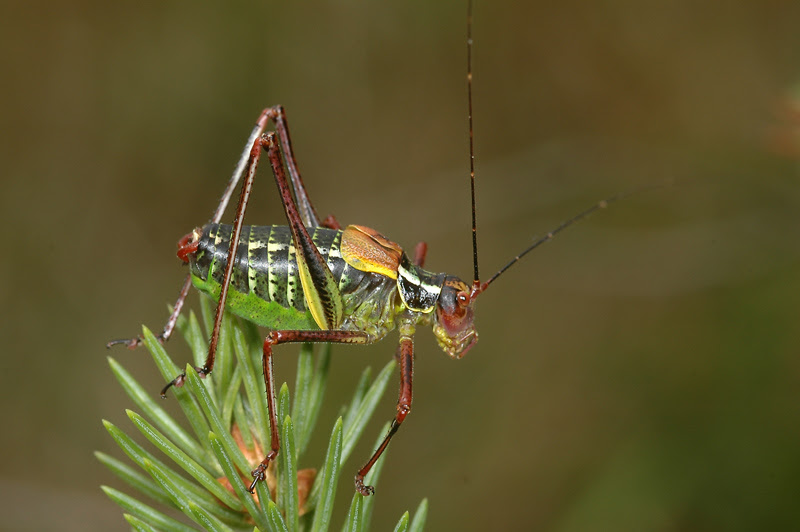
(319, 286)
(307, 212)
(406, 359)
(242, 164)
(306, 209)
(278, 116)
(247, 187)
(238, 171)
(283, 337)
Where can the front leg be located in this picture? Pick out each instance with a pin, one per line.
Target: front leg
(284, 337)
(406, 356)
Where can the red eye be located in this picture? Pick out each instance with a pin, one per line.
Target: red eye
(463, 299)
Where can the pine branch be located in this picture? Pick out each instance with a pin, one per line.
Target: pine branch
(203, 473)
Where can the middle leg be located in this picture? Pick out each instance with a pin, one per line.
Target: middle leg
(406, 357)
(284, 337)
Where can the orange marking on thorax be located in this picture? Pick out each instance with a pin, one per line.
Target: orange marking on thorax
(367, 250)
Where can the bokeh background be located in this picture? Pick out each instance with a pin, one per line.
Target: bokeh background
(638, 373)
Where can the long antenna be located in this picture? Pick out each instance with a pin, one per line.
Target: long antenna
(577, 218)
(476, 283)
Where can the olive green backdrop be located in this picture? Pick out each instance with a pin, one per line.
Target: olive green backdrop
(639, 373)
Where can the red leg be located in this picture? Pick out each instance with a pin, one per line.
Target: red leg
(283, 337)
(320, 288)
(186, 247)
(304, 206)
(247, 187)
(406, 352)
(278, 116)
(306, 210)
(241, 166)
(331, 222)
(308, 255)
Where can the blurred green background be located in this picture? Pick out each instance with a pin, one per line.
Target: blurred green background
(639, 373)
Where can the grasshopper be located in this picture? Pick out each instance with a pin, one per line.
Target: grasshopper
(312, 281)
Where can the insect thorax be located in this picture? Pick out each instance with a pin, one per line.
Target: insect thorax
(418, 288)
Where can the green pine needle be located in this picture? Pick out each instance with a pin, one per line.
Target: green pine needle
(402, 524)
(199, 477)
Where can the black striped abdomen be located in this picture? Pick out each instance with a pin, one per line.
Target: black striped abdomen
(265, 263)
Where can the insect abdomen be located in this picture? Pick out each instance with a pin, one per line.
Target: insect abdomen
(265, 287)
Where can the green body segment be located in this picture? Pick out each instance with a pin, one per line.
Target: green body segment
(265, 287)
(257, 310)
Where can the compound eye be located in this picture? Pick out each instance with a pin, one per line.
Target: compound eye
(463, 299)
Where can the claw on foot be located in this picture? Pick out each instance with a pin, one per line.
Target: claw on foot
(131, 343)
(180, 379)
(176, 382)
(258, 473)
(363, 489)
